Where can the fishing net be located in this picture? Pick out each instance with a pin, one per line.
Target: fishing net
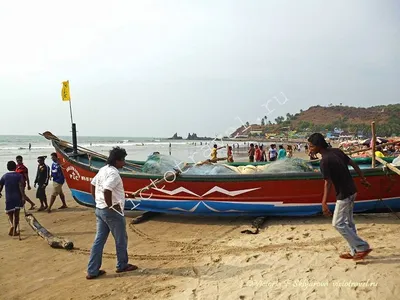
(289, 165)
(396, 161)
(160, 164)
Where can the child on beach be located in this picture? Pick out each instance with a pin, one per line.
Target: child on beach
(23, 170)
(214, 150)
(42, 180)
(230, 155)
(13, 182)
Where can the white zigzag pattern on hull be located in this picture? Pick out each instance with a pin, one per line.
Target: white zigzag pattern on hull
(229, 193)
(212, 190)
(177, 191)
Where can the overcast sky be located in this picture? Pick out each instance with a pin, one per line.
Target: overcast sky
(153, 68)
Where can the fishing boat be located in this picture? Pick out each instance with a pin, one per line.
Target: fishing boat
(280, 194)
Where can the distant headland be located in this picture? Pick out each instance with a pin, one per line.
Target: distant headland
(191, 137)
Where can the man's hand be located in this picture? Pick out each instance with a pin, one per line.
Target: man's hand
(34, 185)
(44, 185)
(365, 183)
(29, 187)
(325, 210)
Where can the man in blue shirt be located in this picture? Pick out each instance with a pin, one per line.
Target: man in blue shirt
(13, 182)
(58, 181)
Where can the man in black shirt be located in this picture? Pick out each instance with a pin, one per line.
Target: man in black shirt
(42, 180)
(334, 168)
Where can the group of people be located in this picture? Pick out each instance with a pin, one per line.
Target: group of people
(390, 150)
(257, 153)
(16, 180)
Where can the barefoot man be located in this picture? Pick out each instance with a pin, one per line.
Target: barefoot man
(58, 181)
(13, 182)
(334, 168)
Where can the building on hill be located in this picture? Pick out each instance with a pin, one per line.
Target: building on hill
(256, 130)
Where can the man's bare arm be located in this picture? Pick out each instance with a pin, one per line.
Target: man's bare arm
(108, 197)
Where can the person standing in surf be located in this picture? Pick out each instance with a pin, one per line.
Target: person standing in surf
(334, 168)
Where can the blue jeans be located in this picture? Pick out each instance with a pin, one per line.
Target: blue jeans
(108, 220)
(344, 223)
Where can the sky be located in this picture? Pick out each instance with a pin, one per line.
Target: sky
(153, 68)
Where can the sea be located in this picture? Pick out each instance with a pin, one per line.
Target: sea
(138, 148)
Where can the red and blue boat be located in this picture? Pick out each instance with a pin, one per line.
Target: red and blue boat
(261, 194)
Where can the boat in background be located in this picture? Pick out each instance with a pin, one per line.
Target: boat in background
(280, 194)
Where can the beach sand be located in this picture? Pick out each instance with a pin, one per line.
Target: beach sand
(182, 257)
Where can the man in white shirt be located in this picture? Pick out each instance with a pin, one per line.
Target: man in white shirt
(108, 191)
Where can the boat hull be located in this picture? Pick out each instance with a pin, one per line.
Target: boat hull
(290, 194)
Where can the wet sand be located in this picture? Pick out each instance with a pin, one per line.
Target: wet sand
(182, 257)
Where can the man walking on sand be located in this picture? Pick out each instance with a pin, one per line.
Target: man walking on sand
(108, 191)
(334, 168)
(23, 170)
(58, 181)
(13, 182)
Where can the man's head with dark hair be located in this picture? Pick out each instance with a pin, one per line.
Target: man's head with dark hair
(41, 159)
(19, 159)
(317, 143)
(215, 146)
(11, 165)
(54, 157)
(117, 157)
(251, 145)
(280, 146)
(379, 148)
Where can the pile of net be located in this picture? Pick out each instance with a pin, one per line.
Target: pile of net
(396, 161)
(159, 164)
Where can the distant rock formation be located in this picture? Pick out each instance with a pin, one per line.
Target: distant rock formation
(193, 137)
(175, 137)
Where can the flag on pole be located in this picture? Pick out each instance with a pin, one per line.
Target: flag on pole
(65, 91)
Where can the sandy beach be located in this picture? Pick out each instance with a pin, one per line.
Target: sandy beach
(183, 257)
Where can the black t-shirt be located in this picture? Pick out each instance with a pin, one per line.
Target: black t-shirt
(334, 167)
(42, 175)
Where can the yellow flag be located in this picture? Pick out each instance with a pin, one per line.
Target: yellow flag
(65, 91)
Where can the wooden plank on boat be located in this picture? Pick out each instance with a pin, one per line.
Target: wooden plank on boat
(53, 241)
(373, 139)
(389, 166)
